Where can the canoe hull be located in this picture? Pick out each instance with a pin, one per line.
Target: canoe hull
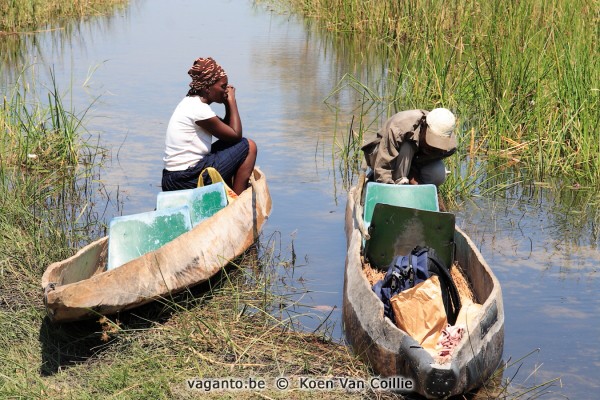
(80, 288)
(391, 352)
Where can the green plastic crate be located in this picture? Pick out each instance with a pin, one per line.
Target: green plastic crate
(422, 197)
(132, 236)
(204, 201)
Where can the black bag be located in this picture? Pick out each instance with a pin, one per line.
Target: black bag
(406, 271)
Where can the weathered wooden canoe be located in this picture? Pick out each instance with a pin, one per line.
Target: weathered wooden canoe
(393, 353)
(80, 287)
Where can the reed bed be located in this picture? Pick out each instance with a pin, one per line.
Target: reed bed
(522, 76)
(24, 16)
(45, 174)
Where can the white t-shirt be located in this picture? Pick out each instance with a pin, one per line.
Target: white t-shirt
(186, 143)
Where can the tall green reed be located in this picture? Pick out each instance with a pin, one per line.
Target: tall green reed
(22, 15)
(522, 76)
(45, 173)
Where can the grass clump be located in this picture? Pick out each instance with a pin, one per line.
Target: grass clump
(224, 328)
(22, 16)
(43, 188)
(41, 137)
(521, 76)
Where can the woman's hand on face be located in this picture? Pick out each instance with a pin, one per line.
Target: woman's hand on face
(230, 95)
(230, 127)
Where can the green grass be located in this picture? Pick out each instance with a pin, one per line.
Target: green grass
(43, 167)
(22, 16)
(233, 326)
(521, 76)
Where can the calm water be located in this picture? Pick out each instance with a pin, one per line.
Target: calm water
(545, 257)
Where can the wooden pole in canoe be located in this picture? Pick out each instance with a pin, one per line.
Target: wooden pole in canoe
(358, 210)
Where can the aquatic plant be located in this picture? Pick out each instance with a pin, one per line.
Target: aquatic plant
(46, 170)
(22, 20)
(23, 16)
(521, 76)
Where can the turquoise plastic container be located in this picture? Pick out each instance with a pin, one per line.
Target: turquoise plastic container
(132, 236)
(421, 197)
(204, 202)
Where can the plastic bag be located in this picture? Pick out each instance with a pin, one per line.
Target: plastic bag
(420, 312)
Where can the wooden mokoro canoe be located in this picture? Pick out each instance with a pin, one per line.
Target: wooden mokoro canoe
(80, 287)
(393, 353)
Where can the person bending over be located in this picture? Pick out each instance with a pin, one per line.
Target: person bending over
(189, 147)
(410, 147)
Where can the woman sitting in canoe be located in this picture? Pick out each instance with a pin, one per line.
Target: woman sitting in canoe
(189, 148)
(411, 146)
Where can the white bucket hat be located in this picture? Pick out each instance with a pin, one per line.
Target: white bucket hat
(440, 129)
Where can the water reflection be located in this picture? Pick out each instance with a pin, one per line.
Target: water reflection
(548, 270)
(570, 217)
(47, 46)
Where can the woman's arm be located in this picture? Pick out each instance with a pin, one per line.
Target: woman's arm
(230, 127)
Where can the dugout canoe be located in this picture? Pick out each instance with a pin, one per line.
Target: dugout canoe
(81, 288)
(391, 352)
